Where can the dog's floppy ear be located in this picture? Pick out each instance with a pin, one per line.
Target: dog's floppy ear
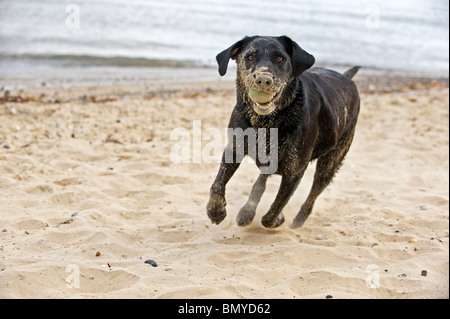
(300, 59)
(231, 53)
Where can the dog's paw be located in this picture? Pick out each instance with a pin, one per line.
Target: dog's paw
(245, 216)
(216, 209)
(301, 217)
(297, 223)
(269, 222)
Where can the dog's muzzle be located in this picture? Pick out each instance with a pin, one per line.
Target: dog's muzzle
(263, 89)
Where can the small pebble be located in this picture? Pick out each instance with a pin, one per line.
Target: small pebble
(97, 254)
(74, 214)
(328, 296)
(151, 262)
(402, 275)
(424, 273)
(320, 237)
(168, 268)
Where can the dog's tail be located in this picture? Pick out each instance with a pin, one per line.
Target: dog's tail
(350, 73)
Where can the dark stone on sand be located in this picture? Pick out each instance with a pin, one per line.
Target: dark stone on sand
(151, 262)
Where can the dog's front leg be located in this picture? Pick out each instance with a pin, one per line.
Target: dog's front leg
(216, 206)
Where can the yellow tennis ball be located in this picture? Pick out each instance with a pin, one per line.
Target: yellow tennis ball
(259, 96)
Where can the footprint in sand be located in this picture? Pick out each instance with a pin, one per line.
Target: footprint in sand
(69, 181)
(150, 179)
(30, 224)
(68, 280)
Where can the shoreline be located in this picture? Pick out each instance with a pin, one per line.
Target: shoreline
(156, 81)
(16, 74)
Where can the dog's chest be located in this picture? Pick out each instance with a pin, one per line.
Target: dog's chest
(273, 145)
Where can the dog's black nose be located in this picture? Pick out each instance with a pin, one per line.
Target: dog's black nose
(264, 81)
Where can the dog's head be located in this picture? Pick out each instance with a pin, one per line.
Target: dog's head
(265, 66)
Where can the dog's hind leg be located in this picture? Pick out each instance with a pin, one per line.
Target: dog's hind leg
(274, 217)
(247, 212)
(326, 168)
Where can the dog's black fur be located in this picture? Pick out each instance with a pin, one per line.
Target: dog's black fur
(314, 110)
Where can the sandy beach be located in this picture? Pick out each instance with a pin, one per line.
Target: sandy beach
(89, 193)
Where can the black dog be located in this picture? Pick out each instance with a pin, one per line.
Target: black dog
(314, 112)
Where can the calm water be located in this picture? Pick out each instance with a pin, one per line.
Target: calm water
(397, 35)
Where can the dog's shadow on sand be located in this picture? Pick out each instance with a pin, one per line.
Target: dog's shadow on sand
(254, 235)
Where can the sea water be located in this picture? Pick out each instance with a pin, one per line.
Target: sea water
(406, 35)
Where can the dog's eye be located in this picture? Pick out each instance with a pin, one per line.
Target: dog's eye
(250, 57)
(279, 59)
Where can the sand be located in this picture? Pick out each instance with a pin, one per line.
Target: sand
(89, 192)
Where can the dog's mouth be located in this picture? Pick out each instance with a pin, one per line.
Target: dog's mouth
(264, 102)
